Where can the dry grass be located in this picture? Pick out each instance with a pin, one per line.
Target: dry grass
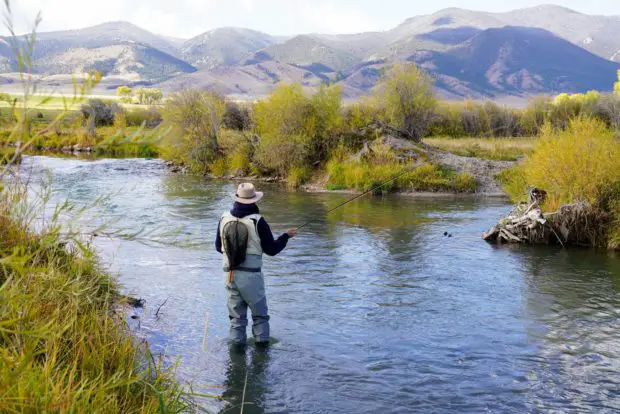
(503, 149)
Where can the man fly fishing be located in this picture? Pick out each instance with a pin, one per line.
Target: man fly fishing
(243, 235)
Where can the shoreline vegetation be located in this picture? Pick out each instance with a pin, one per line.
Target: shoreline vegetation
(64, 343)
(314, 142)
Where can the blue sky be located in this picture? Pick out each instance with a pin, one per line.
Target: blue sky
(187, 18)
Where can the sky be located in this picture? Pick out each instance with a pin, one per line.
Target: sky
(188, 18)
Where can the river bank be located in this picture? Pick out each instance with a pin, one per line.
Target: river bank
(64, 342)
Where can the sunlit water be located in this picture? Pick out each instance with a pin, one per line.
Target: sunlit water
(374, 310)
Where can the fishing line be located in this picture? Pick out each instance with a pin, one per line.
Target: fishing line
(373, 189)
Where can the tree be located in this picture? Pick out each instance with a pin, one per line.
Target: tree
(148, 96)
(617, 85)
(195, 118)
(408, 101)
(125, 94)
(296, 129)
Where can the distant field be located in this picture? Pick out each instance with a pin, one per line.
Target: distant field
(504, 149)
(58, 101)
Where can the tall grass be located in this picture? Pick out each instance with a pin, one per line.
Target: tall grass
(64, 346)
(63, 343)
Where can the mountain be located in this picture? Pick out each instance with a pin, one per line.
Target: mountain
(105, 34)
(309, 50)
(116, 49)
(224, 47)
(597, 34)
(134, 62)
(517, 60)
(252, 80)
(544, 49)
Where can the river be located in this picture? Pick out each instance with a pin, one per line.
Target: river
(373, 309)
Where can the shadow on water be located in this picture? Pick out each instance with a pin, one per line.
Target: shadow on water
(246, 380)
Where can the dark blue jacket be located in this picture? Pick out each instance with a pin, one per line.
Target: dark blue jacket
(270, 245)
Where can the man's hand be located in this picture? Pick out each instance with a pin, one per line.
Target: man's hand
(291, 233)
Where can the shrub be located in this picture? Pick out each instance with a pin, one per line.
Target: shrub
(219, 167)
(296, 129)
(576, 164)
(564, 109)
(100, 112)
(298, 176)
(345, 171)
(237, 117)
(408, 101)
(607, 109)
(580, 163)
(195, 118)
(150, 117)
(534, 116)
(125, 94)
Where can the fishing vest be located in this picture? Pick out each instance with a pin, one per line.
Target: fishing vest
(251, 222)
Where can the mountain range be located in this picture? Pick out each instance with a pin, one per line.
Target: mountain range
(545, 49)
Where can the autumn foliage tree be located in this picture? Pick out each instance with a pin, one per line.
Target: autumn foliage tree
(408, 101)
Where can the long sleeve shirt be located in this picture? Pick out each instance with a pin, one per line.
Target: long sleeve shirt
(270, 245)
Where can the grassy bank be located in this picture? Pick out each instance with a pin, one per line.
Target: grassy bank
(63, 344)
(501, 149)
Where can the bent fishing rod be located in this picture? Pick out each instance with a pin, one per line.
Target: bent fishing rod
(372, 190)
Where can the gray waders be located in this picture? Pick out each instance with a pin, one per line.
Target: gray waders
(246, 288)
(245, 283)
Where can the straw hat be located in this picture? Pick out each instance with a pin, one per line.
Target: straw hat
(247, 194)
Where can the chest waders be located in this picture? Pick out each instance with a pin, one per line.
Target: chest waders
(242, 266)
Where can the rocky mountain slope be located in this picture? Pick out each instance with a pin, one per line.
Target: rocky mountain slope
(546, 49)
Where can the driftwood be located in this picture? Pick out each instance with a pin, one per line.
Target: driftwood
(576, 224)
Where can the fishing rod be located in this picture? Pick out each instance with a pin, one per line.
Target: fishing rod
(373, 189)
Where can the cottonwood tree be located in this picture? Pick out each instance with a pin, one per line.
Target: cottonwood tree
(408, 100)
(617, 85)
(147, 96)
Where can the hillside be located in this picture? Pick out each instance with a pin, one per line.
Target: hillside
(517, 60)
(544, 49)
(224, 47)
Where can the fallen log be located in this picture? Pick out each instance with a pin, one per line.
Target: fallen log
(578, 224)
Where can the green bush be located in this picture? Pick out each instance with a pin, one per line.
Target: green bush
(100, 112)
(150, 117)
(298, 176)
(407, 100)
(296, 129)
(194, 119)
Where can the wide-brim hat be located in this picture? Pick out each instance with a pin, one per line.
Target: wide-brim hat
(247, 194)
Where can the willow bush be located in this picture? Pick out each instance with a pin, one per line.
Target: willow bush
(579, 163)
(296, 128)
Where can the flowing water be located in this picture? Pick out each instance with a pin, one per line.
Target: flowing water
(373, 309)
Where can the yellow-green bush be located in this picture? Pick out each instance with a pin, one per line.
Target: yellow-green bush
(298, 176)
(296, 129)
(219, 167)
(580, 163)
